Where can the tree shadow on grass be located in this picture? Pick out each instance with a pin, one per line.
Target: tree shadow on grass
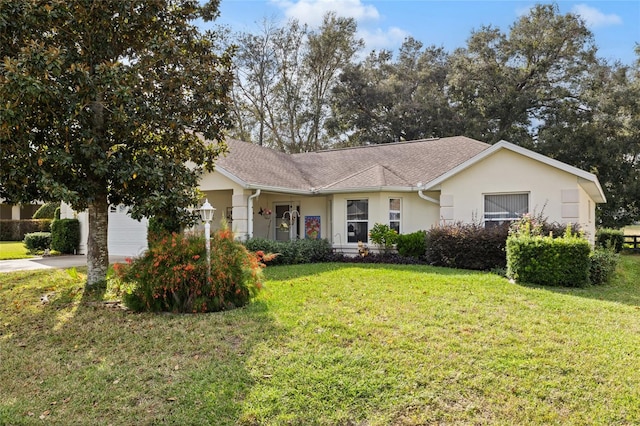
(75, 359)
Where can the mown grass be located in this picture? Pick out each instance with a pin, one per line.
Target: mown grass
(328, 344)
(13, 250)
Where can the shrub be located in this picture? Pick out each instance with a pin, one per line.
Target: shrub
(46, 211)
(56, 214)
(383, 236)
(293, 252)
(549, 261)
(610, 238)
(466, 246)
(603, 265)
(65, 235)
(37, 241)
(15, 230)
(412, 245)
(172, 275)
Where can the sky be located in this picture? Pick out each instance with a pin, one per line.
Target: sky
(384, 24)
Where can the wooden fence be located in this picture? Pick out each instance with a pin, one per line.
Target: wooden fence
(633, 241)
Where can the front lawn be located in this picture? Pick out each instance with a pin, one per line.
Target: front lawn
(13, 250)
(327, 344)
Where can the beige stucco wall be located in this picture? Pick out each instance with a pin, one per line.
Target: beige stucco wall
(509, 172)
(416, 213)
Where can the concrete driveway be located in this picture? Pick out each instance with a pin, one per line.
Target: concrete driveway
(51, 262)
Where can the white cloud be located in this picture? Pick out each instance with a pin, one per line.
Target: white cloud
(311, 11)
(383, 39)
(594, 18)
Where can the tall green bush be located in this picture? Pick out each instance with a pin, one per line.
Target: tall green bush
(46, 211)
(15, 230)
(172, 275)
(544, 260)
(603, 265)
(65, 235)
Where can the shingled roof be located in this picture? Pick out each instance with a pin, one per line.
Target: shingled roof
(372, 167)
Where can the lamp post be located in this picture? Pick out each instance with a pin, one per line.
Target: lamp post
(206, 212)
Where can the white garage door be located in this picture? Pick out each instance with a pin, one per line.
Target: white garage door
(127, 237)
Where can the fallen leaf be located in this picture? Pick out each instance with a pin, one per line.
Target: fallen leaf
(66, 400)
(45, 414)
(177, 367)
(172, 399)
(116, 381)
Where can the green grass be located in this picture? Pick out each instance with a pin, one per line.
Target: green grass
(328, 344)
(13, 250)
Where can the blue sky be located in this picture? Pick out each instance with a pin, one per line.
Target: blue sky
(384, 24)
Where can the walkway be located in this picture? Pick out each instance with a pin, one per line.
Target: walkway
(51, 262)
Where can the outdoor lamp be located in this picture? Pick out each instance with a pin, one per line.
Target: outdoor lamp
(206, 212)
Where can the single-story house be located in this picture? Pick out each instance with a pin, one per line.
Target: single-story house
(339, 194)
(18, 211)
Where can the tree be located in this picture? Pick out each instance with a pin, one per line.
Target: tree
(284, 76)
(384, 100)
(602, 135)
(504, 85)
(104, 103)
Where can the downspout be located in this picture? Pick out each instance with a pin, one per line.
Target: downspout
(426, 197)
(250, 213)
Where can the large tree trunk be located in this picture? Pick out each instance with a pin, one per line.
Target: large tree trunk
(97, 247)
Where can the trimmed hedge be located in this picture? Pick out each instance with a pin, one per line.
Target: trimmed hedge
(37, 241)
(549, 261)
(293, 252)
(467, 246)
(46, 211)
(412, 245)
(15, 230)
(610, 238)
(65, 235)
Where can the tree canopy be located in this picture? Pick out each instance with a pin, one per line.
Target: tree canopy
(103, 103)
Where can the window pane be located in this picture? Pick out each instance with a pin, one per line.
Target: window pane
(357, 231)
(505, 206)
(394, 204)
(395, 226)
(394, 215)
(357, 210)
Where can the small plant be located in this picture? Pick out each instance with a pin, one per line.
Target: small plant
(603, 265)
(46, 211)
(37, 241)
(610, 238)
(412, 245)
(383, 236)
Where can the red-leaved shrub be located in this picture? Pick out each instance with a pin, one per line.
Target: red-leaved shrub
(172, 275)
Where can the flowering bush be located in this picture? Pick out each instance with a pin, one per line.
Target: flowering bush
(172, 275)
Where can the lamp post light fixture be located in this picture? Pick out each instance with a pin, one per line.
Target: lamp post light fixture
(206, 212)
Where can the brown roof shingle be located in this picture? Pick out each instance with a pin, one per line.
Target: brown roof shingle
(401, 164)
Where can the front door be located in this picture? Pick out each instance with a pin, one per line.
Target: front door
(287, 222)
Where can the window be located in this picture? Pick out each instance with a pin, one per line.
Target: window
(357, 221)
(394, 214)
(504, 208)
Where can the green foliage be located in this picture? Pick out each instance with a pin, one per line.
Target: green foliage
(412, 245)
(604, 262)
(133, 117)
(292, 252)
(172, 275)
(610, 238)
(47, 211)
(383, 236)
(549, 261)
(466, 246)
(65, 235)
(15, 230)
(37, 241)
